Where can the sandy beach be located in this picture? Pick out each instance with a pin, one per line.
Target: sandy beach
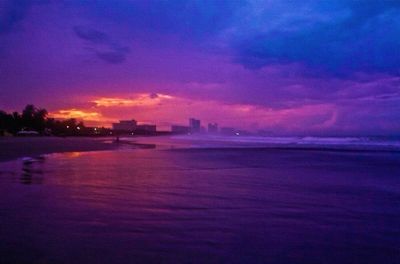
(14, 147)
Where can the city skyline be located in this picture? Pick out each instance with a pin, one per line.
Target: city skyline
(324, 68)
(192, 127)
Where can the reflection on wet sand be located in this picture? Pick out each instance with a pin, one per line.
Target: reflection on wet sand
(74, 154)
(211, 206)
(32, 170)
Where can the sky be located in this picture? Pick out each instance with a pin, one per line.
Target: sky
(285, 67)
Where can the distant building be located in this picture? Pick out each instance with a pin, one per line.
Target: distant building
(146, 128)
(180, 129)
(194, 125)
(229, 131)
(125, 126)
(213, 128)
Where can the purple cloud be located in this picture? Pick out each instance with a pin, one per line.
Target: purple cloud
(276, 57)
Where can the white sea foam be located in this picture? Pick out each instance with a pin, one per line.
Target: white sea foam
(201, 141)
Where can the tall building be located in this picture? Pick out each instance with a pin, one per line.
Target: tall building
(194, 125)
(125, 126)
(213, 128)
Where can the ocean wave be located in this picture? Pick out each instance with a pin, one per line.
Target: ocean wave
(200, 141)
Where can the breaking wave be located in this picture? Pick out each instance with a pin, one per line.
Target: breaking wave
(358, 143)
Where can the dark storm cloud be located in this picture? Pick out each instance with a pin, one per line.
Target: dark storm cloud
(114, 53)
(12, 12)
(115, 56)
(194, 19)
(337, 38)
(91, 35)
(363, 39)
(364, 10)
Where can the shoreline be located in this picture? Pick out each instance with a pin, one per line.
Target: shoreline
(17, 147)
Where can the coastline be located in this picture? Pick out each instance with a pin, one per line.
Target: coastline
(16, 147)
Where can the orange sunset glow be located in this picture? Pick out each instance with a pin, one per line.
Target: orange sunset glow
(164, 110)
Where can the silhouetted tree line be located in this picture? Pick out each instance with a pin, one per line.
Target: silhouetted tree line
(36, 119)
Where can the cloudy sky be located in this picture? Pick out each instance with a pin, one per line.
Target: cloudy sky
(289, 67)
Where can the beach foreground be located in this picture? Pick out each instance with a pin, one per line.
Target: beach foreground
(202, 206)
(18, 147)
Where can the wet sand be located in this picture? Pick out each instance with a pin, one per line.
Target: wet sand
(202, 206)
(13, 148)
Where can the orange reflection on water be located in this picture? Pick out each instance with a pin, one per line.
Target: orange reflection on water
(107, 180)
(74, 154)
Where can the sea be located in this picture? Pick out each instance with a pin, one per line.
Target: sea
(195, 199)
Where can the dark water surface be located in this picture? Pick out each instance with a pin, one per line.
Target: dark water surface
(202, 206)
